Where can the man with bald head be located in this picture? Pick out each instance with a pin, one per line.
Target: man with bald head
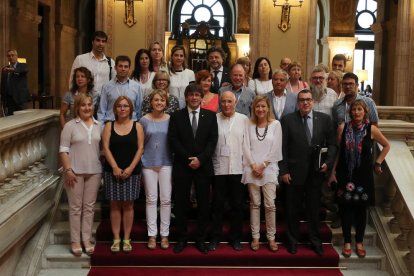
(244, 95)
(284, 63)
(228, 169)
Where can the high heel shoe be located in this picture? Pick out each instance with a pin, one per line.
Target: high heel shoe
(361, 253)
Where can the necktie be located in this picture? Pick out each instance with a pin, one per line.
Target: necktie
(194, 122)
(216, 82)
(306, 127)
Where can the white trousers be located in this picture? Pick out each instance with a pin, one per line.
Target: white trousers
(153, 178)
(269, 195)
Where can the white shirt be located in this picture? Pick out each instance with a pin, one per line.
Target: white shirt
(190, 114)
(146, 88)
(178, 82)
(327, 102)
(219, 73)
(98, 67)
(262, 87)
(279, 103)
(228, 156)
(269, 150)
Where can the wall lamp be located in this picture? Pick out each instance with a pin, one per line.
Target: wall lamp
(285, 17)
(129, 12)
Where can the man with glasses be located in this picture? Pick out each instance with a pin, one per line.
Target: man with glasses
(340, 110)
(304, 131)
(121, 85)
(323, 96)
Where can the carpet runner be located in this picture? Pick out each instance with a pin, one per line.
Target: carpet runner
(223, 261)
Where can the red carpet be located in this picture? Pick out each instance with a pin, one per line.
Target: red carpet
(185, 271)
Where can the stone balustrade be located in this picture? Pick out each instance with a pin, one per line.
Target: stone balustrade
(403, 113)
(29, 179)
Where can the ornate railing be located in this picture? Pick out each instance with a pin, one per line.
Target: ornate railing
(403, 113)
(393, 213)
(28, 179)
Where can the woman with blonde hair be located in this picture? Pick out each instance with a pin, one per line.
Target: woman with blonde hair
(262, 150)
(79, 153)
(157, 56)
(295, 83)
(335, 82)
(123, 145)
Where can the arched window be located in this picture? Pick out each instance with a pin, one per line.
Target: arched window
(218, 14)
(366, 15)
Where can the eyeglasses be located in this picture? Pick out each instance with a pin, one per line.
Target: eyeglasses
(307, 100)
(125, 106)
(161, 80)
(318, 78)
(350, 84)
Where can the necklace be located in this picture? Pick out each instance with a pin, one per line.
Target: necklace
(261, 137)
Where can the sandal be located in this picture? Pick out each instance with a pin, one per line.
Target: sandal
(126, 246)
(255, 245)
(152, 242)
(273, 246)
(89, 250)
(165, 243)
(116, 246)
(77, 252)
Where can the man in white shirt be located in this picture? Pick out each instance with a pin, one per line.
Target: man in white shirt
(228, 170)
(216, 57)
(96, 61)
(324, 97)
(121, 85)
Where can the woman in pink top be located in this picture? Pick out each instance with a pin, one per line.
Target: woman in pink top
(210, 100)
(295, 83)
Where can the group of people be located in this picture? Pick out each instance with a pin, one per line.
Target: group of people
(219, 132)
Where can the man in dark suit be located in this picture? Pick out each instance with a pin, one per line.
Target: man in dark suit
(283, 102)
(193, 135)
(221, 75)
(303, 132)
(14, 89)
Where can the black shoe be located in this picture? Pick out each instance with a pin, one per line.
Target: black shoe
(318, 249)
(212, 246)
(201, 246)
(179, 246)
(237, 245)
(291, 248)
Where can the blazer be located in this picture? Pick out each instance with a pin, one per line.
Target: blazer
(290, 104)
(17, 87)
(225, 77)
(295, 147)
(184, 145)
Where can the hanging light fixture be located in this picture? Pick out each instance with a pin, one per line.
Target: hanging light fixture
(285, 17)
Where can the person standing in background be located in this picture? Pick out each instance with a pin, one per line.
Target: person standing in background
(14, 89)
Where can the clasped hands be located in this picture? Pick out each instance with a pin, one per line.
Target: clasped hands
(195, 163)
(122, 174)
(257, 170)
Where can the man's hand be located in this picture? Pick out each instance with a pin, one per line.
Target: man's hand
(286, 178)
(195, 163)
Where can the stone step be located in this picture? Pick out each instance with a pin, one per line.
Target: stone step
(369, 238)
(63, 214)
(59, 256)
(374, 260)
(60, 232)
(359, 272)
(63, 272)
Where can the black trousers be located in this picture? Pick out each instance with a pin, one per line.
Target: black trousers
(353, 215)
(182, 186)
(228, 188)
(304, 196)
(11, 106)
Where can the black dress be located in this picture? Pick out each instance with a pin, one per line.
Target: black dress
(123, 149)
(358, 189)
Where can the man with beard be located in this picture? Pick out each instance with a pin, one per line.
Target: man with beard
(244, 95)
(216, 57)
(323, 97)
(340, 110)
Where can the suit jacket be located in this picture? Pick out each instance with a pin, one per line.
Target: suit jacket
(290, 104)
(17, 87)
(184, 145)
(225, 77)
(296, 149)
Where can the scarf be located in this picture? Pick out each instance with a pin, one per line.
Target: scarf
(354, 135)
